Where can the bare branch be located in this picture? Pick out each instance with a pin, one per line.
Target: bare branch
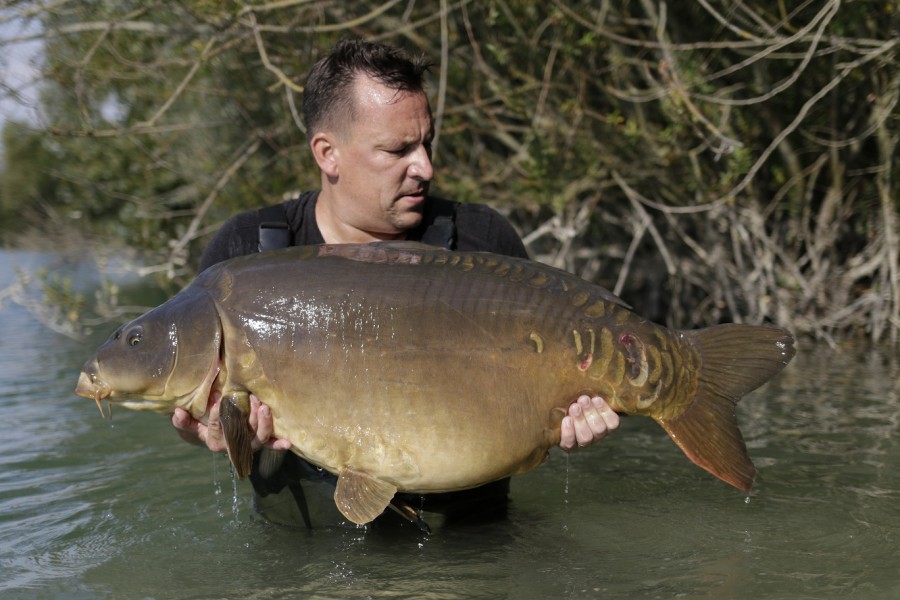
(264, 56)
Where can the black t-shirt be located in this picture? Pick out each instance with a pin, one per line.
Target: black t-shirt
(478, 228)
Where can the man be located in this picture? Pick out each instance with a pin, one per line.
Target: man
(370, 128)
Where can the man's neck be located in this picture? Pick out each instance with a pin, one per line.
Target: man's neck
(336, 231)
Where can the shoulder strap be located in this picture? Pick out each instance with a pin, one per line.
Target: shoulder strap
(274, 231)
(442, 230)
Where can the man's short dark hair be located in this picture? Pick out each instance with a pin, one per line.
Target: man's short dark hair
(328, 93)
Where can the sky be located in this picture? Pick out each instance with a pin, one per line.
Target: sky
(18, 70)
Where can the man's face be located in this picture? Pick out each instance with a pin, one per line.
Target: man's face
(383, 160)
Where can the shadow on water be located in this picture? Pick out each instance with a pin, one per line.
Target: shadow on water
(93, 508)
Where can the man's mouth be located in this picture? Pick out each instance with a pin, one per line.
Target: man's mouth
(416, 196)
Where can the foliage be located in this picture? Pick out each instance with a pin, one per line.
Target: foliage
(708, 161)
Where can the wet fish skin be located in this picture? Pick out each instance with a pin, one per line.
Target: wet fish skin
(401, 367)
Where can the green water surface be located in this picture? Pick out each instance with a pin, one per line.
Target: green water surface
(93, 508)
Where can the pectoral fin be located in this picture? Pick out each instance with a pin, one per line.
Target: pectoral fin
(238, 434)
(361, 497)
(270, 461)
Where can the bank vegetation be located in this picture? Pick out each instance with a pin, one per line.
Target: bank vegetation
(707, 161)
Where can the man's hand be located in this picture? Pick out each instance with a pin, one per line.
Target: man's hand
(210, 434)
(589, 421)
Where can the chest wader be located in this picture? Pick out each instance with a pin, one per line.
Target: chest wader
(270, 474)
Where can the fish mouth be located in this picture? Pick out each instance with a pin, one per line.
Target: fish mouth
(89, 386)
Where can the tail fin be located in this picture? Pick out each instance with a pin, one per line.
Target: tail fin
(735, 360)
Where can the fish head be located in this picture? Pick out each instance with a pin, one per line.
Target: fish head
(166, 358)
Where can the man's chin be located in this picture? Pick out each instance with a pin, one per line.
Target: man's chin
(407, 220)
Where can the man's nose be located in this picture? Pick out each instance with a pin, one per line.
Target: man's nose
(420, 166)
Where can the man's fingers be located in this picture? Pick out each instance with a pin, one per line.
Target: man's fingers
(609, 415)
(585, 422)
(260, 421)
(267, 429)
(600, 417)
(181, 420)
(193, 431)
(212, 408)
(567, 433)
(254, 412)
(186, 426)
(263, 424)
(279, 444)
(211, 433)
(589, 421)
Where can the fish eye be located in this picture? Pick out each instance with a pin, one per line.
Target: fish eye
(135, 336)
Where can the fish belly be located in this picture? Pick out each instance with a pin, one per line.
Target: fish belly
(431, 378)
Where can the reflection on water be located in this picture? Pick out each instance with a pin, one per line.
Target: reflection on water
(92, 508)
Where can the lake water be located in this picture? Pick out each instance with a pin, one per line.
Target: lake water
(121, 508)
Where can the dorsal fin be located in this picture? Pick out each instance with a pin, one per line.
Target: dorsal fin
(416, 253)
(401, 252)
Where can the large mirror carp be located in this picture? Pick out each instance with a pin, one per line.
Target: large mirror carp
(400, 367)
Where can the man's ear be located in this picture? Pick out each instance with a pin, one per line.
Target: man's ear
(326, 152)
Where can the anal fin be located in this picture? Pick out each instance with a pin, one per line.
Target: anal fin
(361, 497)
